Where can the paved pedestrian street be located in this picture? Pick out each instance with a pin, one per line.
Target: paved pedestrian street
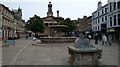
(110, 53)
(0, 56)
(24, 53)
(11, 52)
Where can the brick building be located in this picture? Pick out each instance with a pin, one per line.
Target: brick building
(84, 25)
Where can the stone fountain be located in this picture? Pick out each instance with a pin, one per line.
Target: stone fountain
(57, 36)
(83, 52)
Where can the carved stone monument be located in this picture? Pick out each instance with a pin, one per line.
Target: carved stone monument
(83, 52)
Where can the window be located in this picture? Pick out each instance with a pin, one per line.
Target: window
(46, 24)
(102, 19)
(110, 21)
(114, 5)
(118, 4)
(98, 20)
(93, 22)
(98, 14)
(93, 16)
(98, 27)
(110, 7)
(106, 9)
(105, 18)
(102, 11)
(118, 19)
(114, 20)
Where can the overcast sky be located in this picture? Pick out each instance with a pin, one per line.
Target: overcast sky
(68, 8)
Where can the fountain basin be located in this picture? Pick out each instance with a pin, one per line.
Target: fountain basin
(57, 39)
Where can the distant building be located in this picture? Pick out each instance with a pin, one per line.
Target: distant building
(10, 20)
(105, 20)
(50, 20)
(84, 25)
(19, 23)
(77, 27)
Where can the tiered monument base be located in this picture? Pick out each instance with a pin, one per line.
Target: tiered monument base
(84, 56)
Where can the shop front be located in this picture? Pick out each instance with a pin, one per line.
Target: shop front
(114, 33)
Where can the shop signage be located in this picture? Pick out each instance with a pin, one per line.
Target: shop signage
(111, 30)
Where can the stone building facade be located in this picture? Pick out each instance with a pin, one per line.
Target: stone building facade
(50, 20)
(9, 22)
(84, 25)
(105, 20)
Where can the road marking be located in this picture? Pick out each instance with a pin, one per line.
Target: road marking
(16, 56)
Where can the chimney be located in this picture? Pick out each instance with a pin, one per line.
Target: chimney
(57, 13)
(84, 16)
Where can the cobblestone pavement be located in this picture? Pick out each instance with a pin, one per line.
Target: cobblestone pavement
(24, 53)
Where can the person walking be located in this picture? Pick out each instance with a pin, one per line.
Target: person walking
(26, 36)
(109, 40)
(96, 38)
(104, 39)
(89, 37)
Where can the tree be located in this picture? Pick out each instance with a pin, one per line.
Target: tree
(35, 24)
(70, 25)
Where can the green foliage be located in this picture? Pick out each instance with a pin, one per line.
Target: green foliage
(70, 25)
(35, 24)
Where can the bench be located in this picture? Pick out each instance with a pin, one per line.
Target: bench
(9, 42)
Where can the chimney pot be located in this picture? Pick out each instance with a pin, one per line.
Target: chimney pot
(57, 13)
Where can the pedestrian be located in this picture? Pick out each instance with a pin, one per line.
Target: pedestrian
(96, 38)
(109, 40)
(104, 39)
(26, 36)
(89, 37)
